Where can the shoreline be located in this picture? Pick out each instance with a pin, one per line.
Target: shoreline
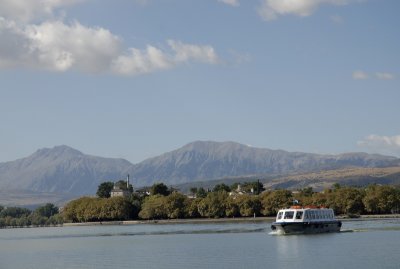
(200, 221)
(171, 221)
(221, 220)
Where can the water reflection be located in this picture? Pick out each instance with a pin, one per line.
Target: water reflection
(287, 245)
(227, 245)
(127, 230)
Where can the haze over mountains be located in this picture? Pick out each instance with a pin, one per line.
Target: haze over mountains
(68, 171)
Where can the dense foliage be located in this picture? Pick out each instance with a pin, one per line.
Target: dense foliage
(22, 217)
(218, 203)
(159, 188)
(166, 204)
(87, 209)
(104, 189)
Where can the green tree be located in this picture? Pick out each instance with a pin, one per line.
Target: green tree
(153, 207)
(381, 199)
(136, 201)
(307, 192)
(234, 186)
(24, 221)
(272, 201)
(255, 187)
(321, 198)
(231, 207)
(87, 209)
(201, 193)
(248, 205)
(221, 187)
(175, 205)
(55, 220)
(213, 205)
(47, 210)
(336, 186)
(38, 220)
(347, 200)
(121, 184)
(73, 210)
(193, 191)
(14, 212)
(159, 188)
(116, 208)
(192, 208)
(104, 189)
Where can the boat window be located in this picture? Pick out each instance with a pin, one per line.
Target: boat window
(280, 215)
(307, 215)
(299, 214)
(289, 215)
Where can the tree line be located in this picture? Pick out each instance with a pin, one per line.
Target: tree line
(46, 215)
(165, 203)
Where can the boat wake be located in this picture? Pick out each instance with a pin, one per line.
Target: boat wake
(150, 233)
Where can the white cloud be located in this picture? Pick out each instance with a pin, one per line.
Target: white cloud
(384, 76)
(26, 10)
(271, 9)
(14, 44)
(56, 46)
(152, 59)
(234, 3)
(358, 75)
(60, 47)
(141, 61)
(389, 145)
(189, 52)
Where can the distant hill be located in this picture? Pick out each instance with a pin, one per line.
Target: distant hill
(325, 179)
(319, 181)
(206, 160)
(60, 170)
(68, 172)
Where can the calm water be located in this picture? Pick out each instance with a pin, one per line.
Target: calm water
(363, 244)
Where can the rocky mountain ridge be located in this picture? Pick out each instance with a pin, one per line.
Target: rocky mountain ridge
(68, 171)
(206, 160)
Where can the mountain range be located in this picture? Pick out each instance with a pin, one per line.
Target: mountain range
(67, 171)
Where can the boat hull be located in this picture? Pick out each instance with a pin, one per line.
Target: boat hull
(306, 227)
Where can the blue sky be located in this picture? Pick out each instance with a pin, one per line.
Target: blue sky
(136, 78)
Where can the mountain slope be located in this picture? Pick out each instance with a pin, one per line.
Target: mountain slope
(67, 171)
(206, 160)
(317, 180)
(62, 170)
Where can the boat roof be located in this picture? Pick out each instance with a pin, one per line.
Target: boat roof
(307, 207)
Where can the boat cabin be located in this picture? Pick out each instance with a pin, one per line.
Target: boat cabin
(299, 214)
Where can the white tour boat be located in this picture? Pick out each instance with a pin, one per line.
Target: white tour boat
(298, 219)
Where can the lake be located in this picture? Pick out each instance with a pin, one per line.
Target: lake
(362, 244)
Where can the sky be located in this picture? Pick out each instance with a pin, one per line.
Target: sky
(137, 78)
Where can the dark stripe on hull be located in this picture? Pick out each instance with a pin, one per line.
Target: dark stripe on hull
(307, 227)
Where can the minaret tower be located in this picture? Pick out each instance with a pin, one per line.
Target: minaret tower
(127, 182)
